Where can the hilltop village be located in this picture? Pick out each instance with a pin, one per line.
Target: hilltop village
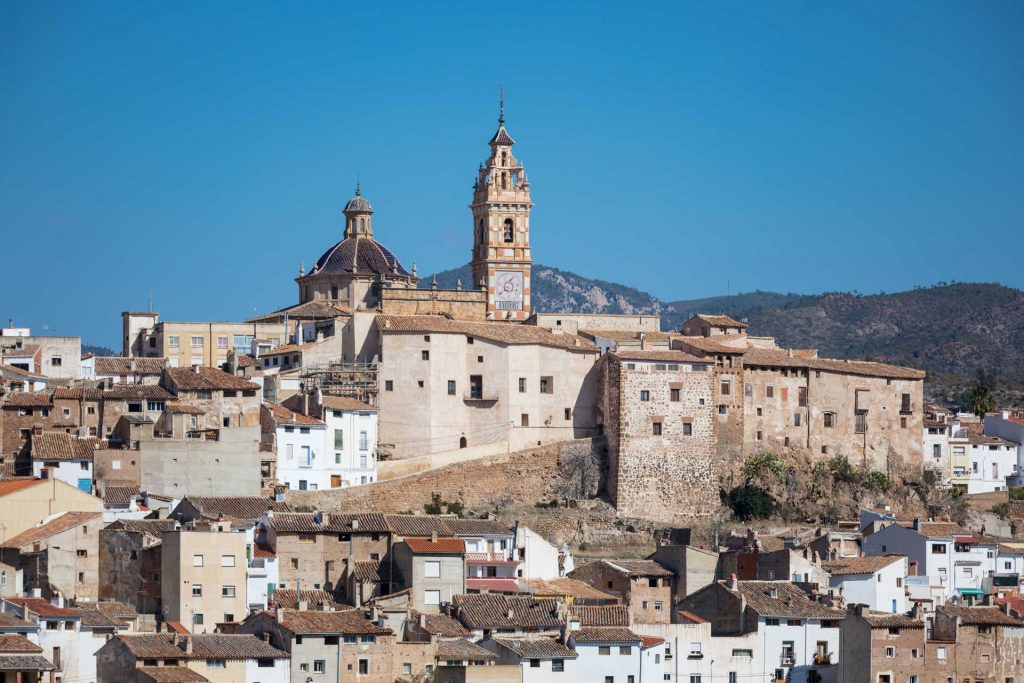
(323, 492)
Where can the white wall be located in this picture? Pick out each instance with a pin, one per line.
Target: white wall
(356, 461)
(804, 639)
(593, 666)
(291, 462)
(67, 471)
(540, 558)
(882, 591)
(990, 466)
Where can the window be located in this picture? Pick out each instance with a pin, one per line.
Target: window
(547, 385)
(426, 337)
(173, 341)
(695, 649)
(82, 553)
(722, 410)
(890, 651)
(424, 354)
(319, 666)
(796, 419)
(830, 420)
(524, 420)
(509, 232)
(407, 669)
(771, 621)
(197, 342)
(645, 395)
(216, 663)
(155, 406)
(339, 439)
(656, 428)
(673, 395)
(227, 560)
(389, 385)
(363, 441)
(451, 387)
(364, 666)
(204, 393)
(197, 560)
(694, 678)
(726, 387)
(658, 606)
(432, 569)
(769, 391)
(604, 650)
(940, 653)
(915, 653)
(227, 591)
(222, 342)
(431, 597)
(687, 429)
(558, 665)
(135, 406)
(938, 548)
(197, 618)
(732, 677)
(197, 590)
(522, 385)
(794, 622)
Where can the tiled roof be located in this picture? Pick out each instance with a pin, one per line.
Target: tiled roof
(985, 440)
(346, 622)
(314, 599)
(725, 343)
(459, 649)
(638, 568)
(69, 520)
(289, 348)
(8, 620)
(939, 529)
(536, 648)
(241, 507)
(44, 607)
(476, 527)
(282, 416)
(500, 332)
(119, 494)
(204, 646)
(63, 446)
(850, 566)
(565, 586)
(612, 634)
(25, 663)
(131, 392)
(78, 393)
(887, 620)
(153, 527)
(119, 365)
(417, 525)
(658, 356)
(359, 255)
(29, 399)
(9, 487)
(170, 674)
(442, 546)
(262, 550)
(490, 611)
(440, 625)
(329, 522)
(783, 359)
(244, 360)
(112, 609)
(647, 642)
(94, 619)
(206, 378)
(24, 351)
(628, 335)
(374, 572)
(311, 310)
(720, 320)
(17, 643)
(980, 616)
(690, 618)
(601, 615)
(345, 403)
(789, 601)
(493, 585)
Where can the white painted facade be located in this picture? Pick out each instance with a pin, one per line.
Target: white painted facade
(690, 651)
(539, 559)
(883, 590)
(280, 672)
(992, 462)
(352, 444)
(599, 660)
(77, 473)
(302, 460)
(791, 646)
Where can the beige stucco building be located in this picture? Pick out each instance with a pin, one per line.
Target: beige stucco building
(184, 344)
(203, 576)
(26, 502)
(449, 384)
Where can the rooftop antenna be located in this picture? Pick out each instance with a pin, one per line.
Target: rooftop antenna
(501, 104)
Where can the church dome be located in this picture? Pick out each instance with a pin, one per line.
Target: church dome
(358, 204)
(359, 256)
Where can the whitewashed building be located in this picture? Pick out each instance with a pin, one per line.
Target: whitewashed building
(299, 441)
(874, 581)
(993, 461)
(351, 441)
(1010, 428)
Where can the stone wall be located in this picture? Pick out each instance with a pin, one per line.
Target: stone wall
(461, 304)
(527, 476)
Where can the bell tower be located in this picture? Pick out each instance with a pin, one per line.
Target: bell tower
(501, 229)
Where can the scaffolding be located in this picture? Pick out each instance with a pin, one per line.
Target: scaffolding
(341, 378)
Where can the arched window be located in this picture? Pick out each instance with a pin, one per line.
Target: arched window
(362, 225)
(509, 231)
(462, 442)
(502, 159)
(483, 232)
(504, 181)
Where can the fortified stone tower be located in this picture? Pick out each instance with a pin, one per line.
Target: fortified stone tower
(501, 236)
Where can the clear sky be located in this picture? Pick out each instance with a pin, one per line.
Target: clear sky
(203, 150)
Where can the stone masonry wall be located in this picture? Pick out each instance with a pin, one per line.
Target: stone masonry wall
(523, 476)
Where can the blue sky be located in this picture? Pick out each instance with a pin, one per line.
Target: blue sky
(203, 150)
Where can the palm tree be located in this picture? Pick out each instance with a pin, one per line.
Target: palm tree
(982, 400)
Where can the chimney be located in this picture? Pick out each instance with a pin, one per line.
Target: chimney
(509, 615)
(24, 611)
(1005, 608)
(355, 523)
(988, 600)
(188, 645)
(37, 593)
(773, 592)
(303, 605)
(278, 613)
(423, 620)
(174, 639)
(643, 341)
(195, 369)
(57, 599)
(733, 583)
(433, 537)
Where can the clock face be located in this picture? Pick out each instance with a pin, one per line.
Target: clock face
(508, 290)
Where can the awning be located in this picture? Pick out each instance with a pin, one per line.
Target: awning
(970, 591)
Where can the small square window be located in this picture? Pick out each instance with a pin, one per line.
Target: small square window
(673, 395)
(389, 385)
(656, 428)
(425, 354)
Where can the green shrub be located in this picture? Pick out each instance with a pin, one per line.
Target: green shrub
(764, 466)
(877, 482)
(751, 502)
(1017, 494)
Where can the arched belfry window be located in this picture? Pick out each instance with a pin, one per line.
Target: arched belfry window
(483, 232)
(509, 231)
(362, 225)
(503, 159)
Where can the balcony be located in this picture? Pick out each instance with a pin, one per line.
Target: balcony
(480, 397)
(490, 557)
(823, 659)
(787, 658)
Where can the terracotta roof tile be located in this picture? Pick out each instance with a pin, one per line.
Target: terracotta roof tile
(502, 333)
(647, 642)
(726, 343)
(345, 403)
(8, 620)
(282, 416)
(492, 584)
(205, 378)
(460, 649)
(565, 586)
(607, 634)
(25, 663)
(658, 356)
(63, 446)
(310, 310)
(153, 527)
(328, 523)
(314, 599)
(601, 615)
(241, 507)
(852, 566)
(980, 616)
(204, 646)
(637, 568)
(17, 643)
(781, 358)
(720, 321)
(417, 525)
(69, 520)
(44, 607)
(346, 622)
(373, 572)
(131, 392)
(9, 487)
(78, 393)
(536, 648)
(440, 625)
(888, 620)
(120, 494)
(119, 365)
(170, 674)
(789, 601)
(29, 399)
(442, 546)
(490, 611)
